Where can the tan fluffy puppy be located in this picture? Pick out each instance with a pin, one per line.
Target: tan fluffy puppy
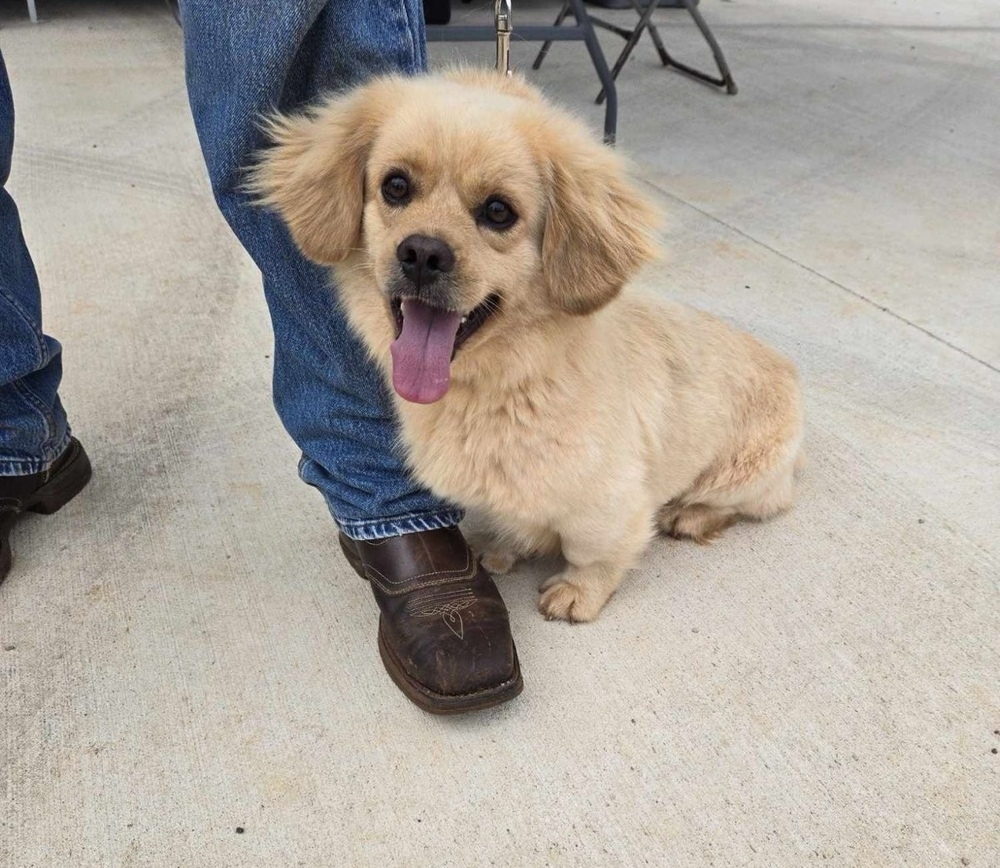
(482, 242)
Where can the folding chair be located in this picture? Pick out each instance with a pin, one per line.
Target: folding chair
(632, 36)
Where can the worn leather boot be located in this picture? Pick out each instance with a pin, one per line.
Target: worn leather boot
(443, 635)
(44, 492)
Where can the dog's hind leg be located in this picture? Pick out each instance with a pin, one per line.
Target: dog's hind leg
(707, 513)
(697, 521)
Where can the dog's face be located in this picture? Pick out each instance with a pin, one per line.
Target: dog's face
(452, 218)
(457, 209)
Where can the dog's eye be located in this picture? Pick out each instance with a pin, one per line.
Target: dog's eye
(396, 189)
(497, 214)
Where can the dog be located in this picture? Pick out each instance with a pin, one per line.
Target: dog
(482, 243)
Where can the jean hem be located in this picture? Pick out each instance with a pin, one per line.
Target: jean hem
(403, 524)
(31, 466)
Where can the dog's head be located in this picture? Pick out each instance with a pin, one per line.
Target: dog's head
(455, 208)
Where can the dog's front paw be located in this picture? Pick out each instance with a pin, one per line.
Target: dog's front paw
(564, 601)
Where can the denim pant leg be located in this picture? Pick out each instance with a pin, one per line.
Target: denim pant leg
(33, 429)
(244, 60)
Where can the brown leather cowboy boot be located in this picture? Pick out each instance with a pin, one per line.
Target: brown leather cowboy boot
(44, 492)
(443, 635)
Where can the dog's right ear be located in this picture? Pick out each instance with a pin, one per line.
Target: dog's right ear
(313, 173)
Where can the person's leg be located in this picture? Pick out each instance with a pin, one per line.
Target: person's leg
(33, 429)
(243, 61)
(444, 634)
(41, 466)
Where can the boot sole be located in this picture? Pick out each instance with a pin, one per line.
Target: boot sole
(417, 693)
(71, 479)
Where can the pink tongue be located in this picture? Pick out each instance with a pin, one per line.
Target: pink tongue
(421, 355)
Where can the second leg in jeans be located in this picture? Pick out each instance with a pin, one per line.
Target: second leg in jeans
(41, 467)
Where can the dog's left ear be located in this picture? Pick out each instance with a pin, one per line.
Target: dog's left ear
(598, 230)
(313, 174)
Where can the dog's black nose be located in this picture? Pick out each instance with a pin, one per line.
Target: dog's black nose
(424, 259)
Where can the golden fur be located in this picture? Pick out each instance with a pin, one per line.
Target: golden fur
(583, 416)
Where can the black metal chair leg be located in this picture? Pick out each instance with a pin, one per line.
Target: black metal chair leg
(726, 79)
(544, 50)
(653, 32)
(720, 58)
(603, 73)
(632, 38)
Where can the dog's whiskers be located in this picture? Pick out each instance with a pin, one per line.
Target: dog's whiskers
(493, 303)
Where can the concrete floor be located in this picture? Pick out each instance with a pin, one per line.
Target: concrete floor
(185, 652)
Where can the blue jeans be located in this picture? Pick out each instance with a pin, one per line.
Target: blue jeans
(243, 60)
(33, 428)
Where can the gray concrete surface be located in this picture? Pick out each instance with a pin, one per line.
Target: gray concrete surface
(184, 651)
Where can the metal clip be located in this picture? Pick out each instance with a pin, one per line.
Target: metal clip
(502, 12)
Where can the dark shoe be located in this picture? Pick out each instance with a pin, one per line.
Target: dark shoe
(44, 492)
(444, 636)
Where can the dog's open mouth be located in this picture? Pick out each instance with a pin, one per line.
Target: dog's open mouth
(426, 340)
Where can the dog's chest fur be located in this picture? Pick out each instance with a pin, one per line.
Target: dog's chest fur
(495, 453)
